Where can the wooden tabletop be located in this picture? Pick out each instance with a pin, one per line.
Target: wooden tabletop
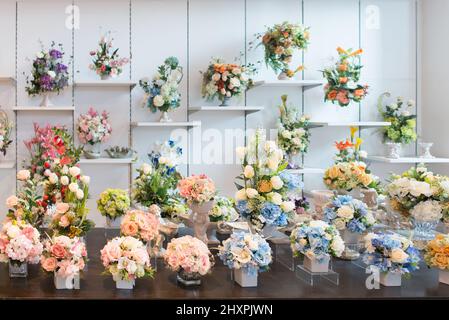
(279, 282)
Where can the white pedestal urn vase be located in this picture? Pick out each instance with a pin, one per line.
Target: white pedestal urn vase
(246, 277)
(390, 279)
(394, 150)
(46, 100)
(317, 266)
(200, 219)
(123, 284)
(18, 269)
(69, 282)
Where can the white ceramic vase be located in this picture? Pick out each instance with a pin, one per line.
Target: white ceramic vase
(46, 100)
(124, 284)
(390, 279)
(70, 282)
(245, 278)
(165, 117)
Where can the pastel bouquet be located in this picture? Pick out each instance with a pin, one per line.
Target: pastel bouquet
(342, 79)
(49, 73)
(279, 42)
(403, 123)
(223, 210)
(162, 93)
(93, 128)
(197, 189)
(106, 60)
(390, 252)
(19, 243)
(113, 203)
(64, 256)
(346, 213)
(263, 187)
(141, 225)
(293, 132)
(226, 80)
(5, 132)
(126, 259)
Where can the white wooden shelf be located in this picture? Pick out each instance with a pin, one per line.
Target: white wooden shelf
(166, 124)
(360, 124)
(248, 109)
(106, 161)
(7, 164)
(49, 109)
(289, 83)
(105, 83)
(4, 78)
(407, 160)
(306, 171)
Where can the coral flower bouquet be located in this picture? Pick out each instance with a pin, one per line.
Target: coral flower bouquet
(436, 255)
(64, 257)
(197, 189)
(141, 225)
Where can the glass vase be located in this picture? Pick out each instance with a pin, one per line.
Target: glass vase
(188, 279)
(293, 160)
(92, 151)
(18, 269)
(225, 102)
(425, 150)
(394, 150)
(165, 117)
(424, 229)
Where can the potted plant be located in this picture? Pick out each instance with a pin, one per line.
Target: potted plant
(113, 204)
(436, 255)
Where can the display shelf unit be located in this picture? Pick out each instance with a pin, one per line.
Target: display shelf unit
(360, 124)
(8, 164)
(105, 83)
(188, 124)
(107, 161)
(289, 83)
(4, 78)
(306, 171)
(412, 160)
(247, 109)
(43, 109)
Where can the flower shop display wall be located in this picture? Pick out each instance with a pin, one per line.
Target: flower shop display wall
(194, 31)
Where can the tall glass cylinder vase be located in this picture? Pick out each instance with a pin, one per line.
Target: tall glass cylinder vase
(112, 227)
(18, 269)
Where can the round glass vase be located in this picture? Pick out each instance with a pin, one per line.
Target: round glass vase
(92, 151)
(188, 279)
(423, 229)
(18, 269)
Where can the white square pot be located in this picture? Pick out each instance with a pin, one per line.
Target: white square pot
(390, 279)
(70, 282)
(124, 284)
(313, 265)
(443, 276)
(244, 278)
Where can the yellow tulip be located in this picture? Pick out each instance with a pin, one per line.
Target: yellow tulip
(353, 131)
(358, 142)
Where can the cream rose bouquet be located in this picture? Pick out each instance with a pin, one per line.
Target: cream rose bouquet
(141, 225)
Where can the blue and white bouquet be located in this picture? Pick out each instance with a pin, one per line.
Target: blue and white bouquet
(246, 250)
(344, 212)
(316, 240)
(223, 210)
(390, 252)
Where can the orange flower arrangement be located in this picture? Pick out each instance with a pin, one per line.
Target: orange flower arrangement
(437, 252)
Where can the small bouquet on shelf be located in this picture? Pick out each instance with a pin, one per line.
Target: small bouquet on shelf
(436, 255)
(391, 255)
(247, 254)
(223, 210)
(106, 60)
(5, 132)
(64, 257)
(141, 225)
(342, 80)
(226, 80)
(263, 187)
(162, 93)
(293, 133)
(93, 129)
(302, 205)
(190, 258)
(113, 203)
(317, 241)
(49, 74)
(19, 245)
(126, 259)
(279, 42)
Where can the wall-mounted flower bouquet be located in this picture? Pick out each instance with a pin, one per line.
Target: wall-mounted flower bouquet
(403, 124)
(49, 74)
(316, 241)
(342, 79)
(190, 258)
(264, 185)
(226, 80)
(162, 93)
(391, 255)
(93, 129)
(436, 255)
(65, 258)
(113, 204)
(293, 133)
(19, 245)
(126, 259)
(5, 132)
(106, 60)
(246, 254)
(279, 42)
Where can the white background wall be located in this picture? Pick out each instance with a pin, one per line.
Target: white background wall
(194, 31)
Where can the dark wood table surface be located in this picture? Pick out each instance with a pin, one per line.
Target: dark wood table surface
(278, 283)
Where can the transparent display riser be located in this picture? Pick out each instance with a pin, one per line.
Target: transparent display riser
(283, 255)
(314, 278)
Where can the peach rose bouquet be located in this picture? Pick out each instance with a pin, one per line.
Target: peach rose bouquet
(141, 225)
(197, 188)
(436, 253)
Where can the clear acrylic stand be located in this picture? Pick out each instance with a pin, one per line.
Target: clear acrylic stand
(312, 278)
(284, 256)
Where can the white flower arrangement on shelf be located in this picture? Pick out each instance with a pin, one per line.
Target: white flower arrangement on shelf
(223, 210)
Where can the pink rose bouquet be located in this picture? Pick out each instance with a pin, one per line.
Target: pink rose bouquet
(140, 224)
(19, 242)
(126, 258)
(197, 188)
(93, 128)
(64, 256)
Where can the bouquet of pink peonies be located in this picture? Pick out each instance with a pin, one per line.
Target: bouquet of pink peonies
(197, 188)
(93, 128)
(64, 256)
(140, 224)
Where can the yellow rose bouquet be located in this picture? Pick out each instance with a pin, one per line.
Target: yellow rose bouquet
(436, 255)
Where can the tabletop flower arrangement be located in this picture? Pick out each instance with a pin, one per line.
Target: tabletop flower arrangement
(49, 74)
(113, 203)
(190, 258)
(162, 93)
(93, 129)
(6, 127)
(392, 255)
(246, 254)
(279, 42)
(141, 225)
(316, 240)
(436, 255)
(223, 210)
(19, 245)
(65, 258)
(126, 259)
(226, 80)
(106, 61)
(342, 79)
(263, 187)
(293, 133)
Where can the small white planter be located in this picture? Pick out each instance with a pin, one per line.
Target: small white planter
(245, 278)
(70, 282)
(313, 265)
(124, 284)
(443, 276)
(390, 279)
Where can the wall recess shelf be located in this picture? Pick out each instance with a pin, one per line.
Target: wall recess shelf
(166, 124)
(48, 109)
(107, 161)
(407, 160)
(360, 124)
(105, 83)
(289, 83)
(8, 164)
(247, 109)
(306, 171)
